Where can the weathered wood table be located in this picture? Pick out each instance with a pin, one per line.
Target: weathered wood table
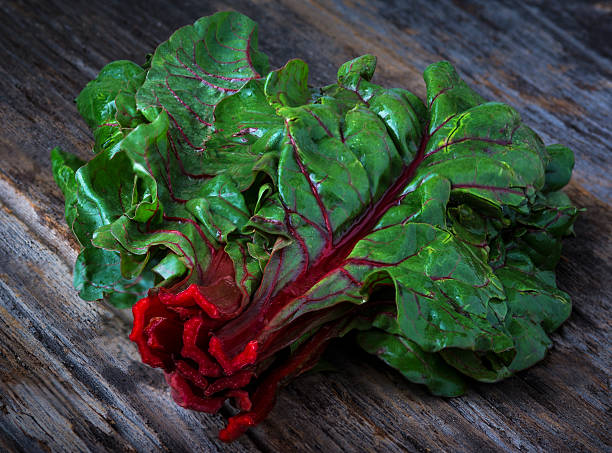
(70, 380)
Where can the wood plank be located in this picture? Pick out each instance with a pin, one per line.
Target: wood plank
(69, 378)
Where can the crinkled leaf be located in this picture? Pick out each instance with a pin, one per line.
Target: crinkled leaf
(415, 364)
(559, 168)
(447, 94)
(288, 86)
(64, 166)
(195, 69)
(535, 308)
(247, 267)
(97, 275)
(247, 136)
(128, 116)
(401, 111)
(170, 268)
(220, 206)
(96, 103)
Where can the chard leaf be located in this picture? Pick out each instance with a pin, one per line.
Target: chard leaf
(447, 94)
(559, 168)
(64, 166)
(170, 267)
(97, 105)
(535, 308)
(220, 206)
(97, 272)
(415, 364)
(195, 69)
(97, 275)
(288, 86)
(247, 136)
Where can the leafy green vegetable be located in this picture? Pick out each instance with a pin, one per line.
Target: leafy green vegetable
(256, 218)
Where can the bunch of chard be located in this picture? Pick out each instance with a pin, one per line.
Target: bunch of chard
(250, 218)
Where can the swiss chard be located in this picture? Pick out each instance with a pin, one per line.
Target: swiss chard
(256, 218)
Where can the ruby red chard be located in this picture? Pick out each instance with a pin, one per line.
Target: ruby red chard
(249, 218)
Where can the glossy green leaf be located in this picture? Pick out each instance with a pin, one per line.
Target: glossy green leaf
(559, 169)
(195, 69)
(288, 86)
(97, 275)
(96, 103)
(415, 364)
(220, 206)
(170, 268)
(65, 166)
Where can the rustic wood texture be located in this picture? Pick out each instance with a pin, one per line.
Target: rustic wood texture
(70, 380)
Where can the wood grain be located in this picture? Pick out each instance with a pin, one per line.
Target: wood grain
(69, 377)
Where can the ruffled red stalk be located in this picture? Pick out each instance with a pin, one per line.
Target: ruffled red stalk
(176, 332)
(172, 332)
(306, 356)
(303, 359)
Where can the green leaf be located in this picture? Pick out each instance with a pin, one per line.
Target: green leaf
(96, 103)
(97, 275)
(447, 94)
(360, 219)
(248, 271)
(128, 116)
(535, 308)
(288, 86)
(247, 136)
(197, 67)
(488, 154)
(559, 169)
(220, 206)
(170, 268)
(415, 364)
(401, 111)
(64, 166)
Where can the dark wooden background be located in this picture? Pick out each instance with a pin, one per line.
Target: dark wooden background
(70, 380)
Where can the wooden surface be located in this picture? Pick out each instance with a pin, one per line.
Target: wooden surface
(70, 380)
